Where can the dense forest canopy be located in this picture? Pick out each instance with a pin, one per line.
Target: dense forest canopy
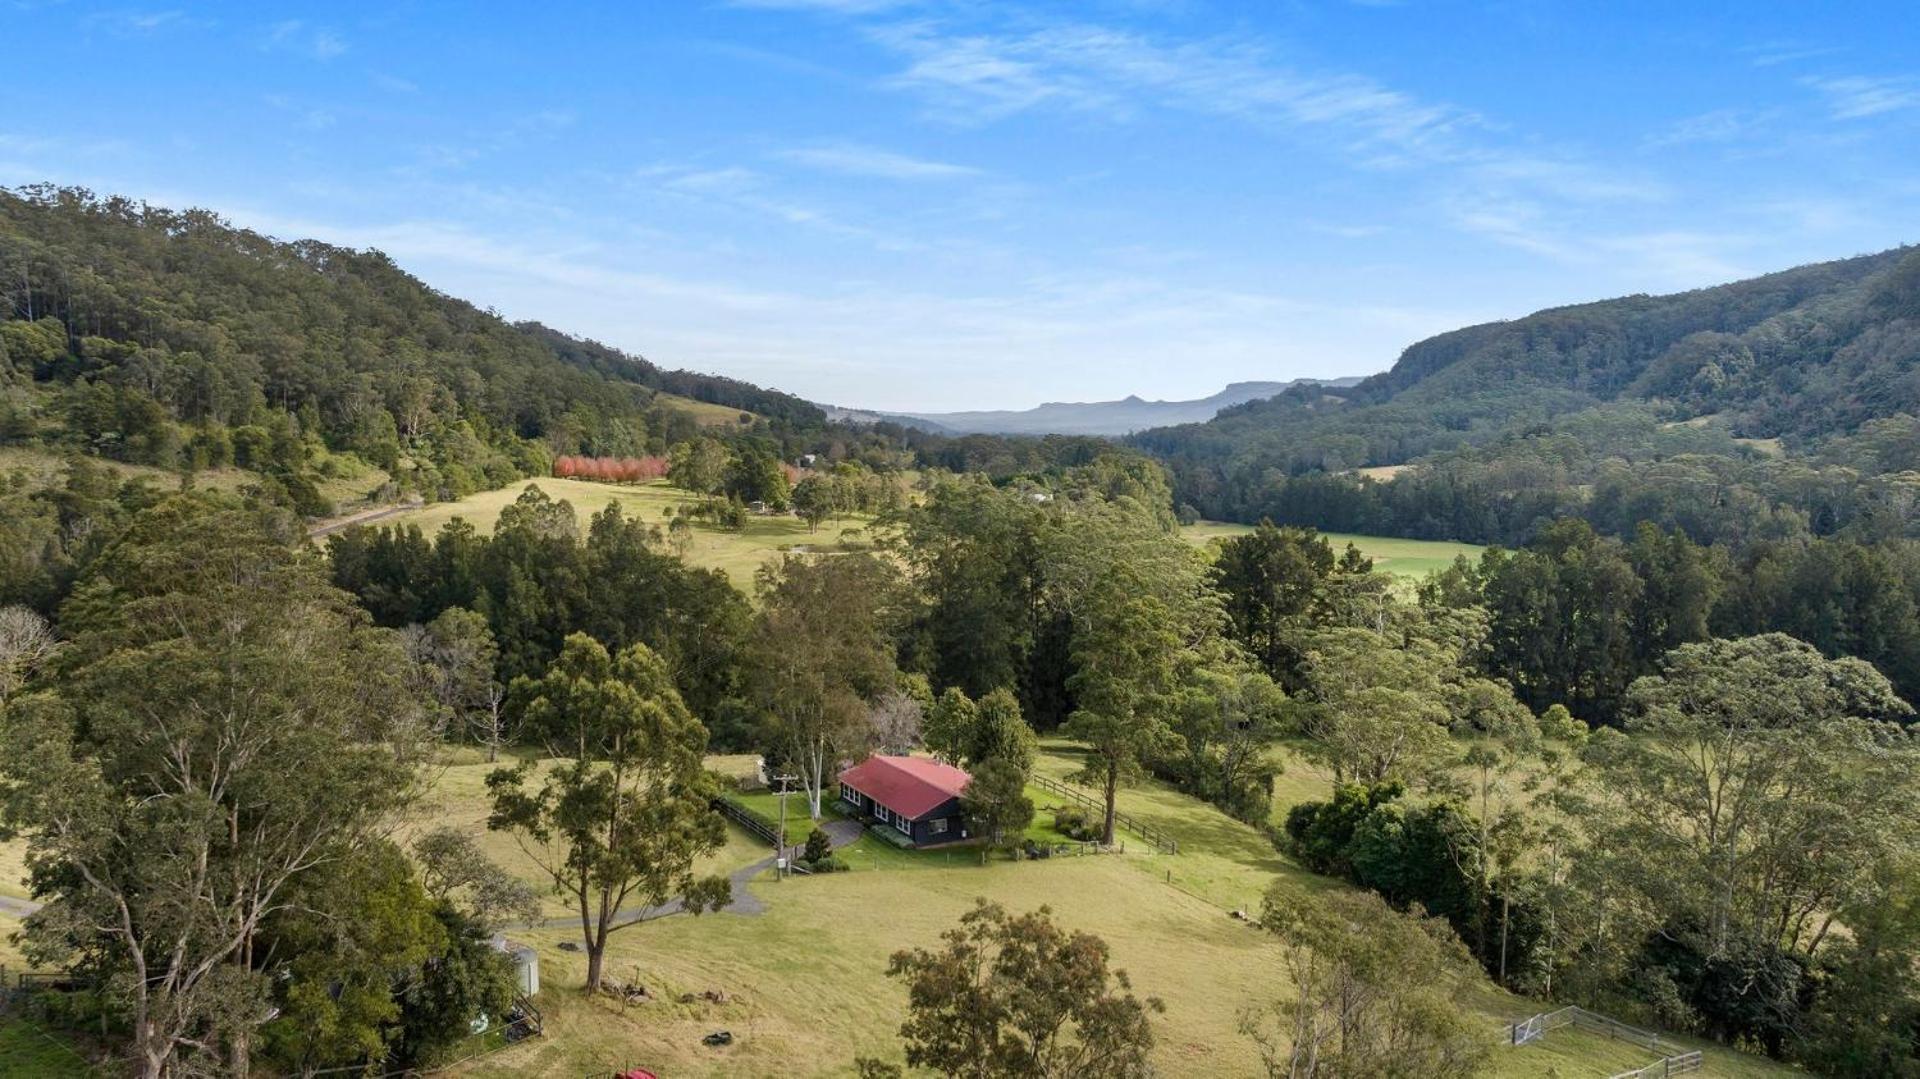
(1786, 399)
(171, 338)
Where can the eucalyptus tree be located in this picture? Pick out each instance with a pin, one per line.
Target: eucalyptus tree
(226, 728)
(625, 812)
(1124, 685)
(822, 650)
(1757, 790)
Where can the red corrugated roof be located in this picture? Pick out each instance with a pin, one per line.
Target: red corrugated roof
(910, 786)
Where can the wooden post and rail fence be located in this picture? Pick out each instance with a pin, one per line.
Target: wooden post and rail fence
(1160, 840)
(1673, 1060)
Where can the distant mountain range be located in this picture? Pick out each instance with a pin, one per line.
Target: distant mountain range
(1121, 417)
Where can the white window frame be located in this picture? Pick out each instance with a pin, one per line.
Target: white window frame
(904, 824)
(849, 795)
(879, 812)
(937, 826)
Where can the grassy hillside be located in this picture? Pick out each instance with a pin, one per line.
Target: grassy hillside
(806, 978)
(704, 413)
(809, 993)
(1408, 558)
(739, 554)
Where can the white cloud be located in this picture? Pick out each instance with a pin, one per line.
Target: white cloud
(295, 35)
(837, 7)
(1346, 232)
(133, 23)
(394, 83)
(854, 160)
(1855, 97)
(744, 190)
(1715, 126)
(1773, 53)
(1119, 74)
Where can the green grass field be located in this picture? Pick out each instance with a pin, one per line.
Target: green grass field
(738, 554)
(1410, 558)
(807, 978)
(704, 413)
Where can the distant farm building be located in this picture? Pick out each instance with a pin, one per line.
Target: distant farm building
(916, 797)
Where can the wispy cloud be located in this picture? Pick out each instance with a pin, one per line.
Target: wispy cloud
(1774, 53)
(1346, 232)
(1855, 97)
(742, 189)
(296, 35)
(1715, 126)
(133, 23)
(854, 160)
(1119, 74)
(1486, 178)
(307, 117)
(393, 83)
(837, 7)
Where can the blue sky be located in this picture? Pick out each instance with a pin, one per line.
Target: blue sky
(961, 203)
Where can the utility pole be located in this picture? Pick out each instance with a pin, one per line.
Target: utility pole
(780, 842)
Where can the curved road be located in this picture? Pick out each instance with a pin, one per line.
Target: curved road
(841, 832)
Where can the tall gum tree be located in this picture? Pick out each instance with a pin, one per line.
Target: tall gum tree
(224, 728)
(625, 810)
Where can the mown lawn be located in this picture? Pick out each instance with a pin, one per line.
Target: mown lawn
(1409, 558)
(738, 554)
(807, 978)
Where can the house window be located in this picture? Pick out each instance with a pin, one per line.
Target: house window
(902, 823)
(851, 796)
(937, 827)
(879, 812)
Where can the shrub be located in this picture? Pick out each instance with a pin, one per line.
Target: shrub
(1074, 822)
(819, 847)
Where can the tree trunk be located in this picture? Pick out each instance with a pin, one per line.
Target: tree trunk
(1506, 919)
(1113, 790)
(153, 1052)
(240, 1054)
(594, 956)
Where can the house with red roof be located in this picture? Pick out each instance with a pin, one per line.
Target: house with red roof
(916, 796)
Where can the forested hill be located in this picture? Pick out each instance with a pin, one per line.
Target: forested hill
(172, 338)
(713, 389)
(1808, 357)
